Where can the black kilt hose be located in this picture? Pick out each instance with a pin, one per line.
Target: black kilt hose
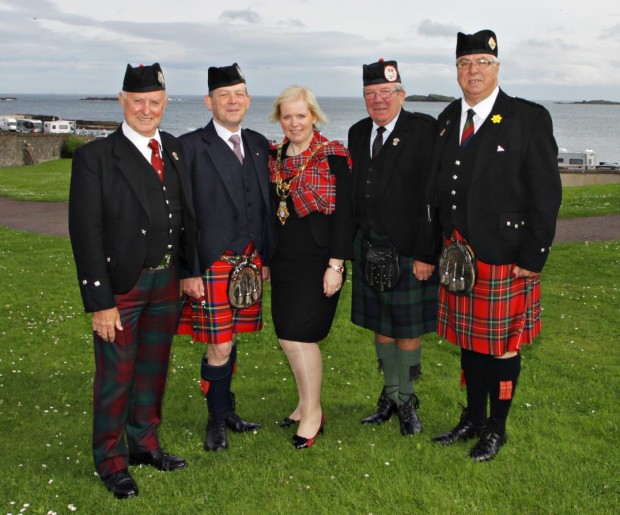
(407, 311)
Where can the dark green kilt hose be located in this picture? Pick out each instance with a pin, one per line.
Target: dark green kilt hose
(407, 311)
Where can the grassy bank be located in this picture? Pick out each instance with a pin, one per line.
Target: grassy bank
(563, 432)
(50, 182)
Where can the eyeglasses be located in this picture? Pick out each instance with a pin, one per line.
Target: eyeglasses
(465, 64)
(383, 93)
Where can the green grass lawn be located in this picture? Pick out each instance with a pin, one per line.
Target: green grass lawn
(562, 453)
(50, 182)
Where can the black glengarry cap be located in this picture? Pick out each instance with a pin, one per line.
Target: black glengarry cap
(142, 79)
(381, 72)
(225, 76)
(482, 42)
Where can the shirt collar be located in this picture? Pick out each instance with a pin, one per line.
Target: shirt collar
(141, 142)
(388, 127)
(483, 108)
(223, 132)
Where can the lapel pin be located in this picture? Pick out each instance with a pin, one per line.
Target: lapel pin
(496, 118)
(442, 131)
(174, 154)
(396, 141)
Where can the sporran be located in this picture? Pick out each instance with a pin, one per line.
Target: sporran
(457, 268)
(245, 285)
(381, 267)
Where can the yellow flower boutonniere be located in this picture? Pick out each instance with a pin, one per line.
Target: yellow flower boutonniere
(496, 118)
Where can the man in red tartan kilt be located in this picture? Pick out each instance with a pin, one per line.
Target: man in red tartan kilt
(131, 223)
(230, 182)
(497, 190)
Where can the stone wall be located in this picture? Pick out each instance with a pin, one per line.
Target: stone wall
(17, 149)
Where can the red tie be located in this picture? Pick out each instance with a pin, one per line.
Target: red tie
(468, 128)
(156, 160)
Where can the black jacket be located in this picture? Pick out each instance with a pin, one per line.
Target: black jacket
(515, 189)
(109, 222)
(214, 202)
(406, 158)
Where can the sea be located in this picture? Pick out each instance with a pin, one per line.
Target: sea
(577, 127)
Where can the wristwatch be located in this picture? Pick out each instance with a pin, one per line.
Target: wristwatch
(336, 268)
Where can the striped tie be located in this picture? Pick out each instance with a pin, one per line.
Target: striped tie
(468, 128)
(236, 141)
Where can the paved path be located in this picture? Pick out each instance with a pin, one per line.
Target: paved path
(51, 218)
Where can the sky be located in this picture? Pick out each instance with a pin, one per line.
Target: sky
(548, 49)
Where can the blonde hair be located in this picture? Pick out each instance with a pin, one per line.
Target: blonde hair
(296, 92)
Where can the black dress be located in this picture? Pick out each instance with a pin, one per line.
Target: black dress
(299, 308)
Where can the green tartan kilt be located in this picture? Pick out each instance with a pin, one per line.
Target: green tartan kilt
(407, 311)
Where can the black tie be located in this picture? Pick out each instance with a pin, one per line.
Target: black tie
(378, 142)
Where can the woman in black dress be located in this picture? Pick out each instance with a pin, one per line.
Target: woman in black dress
(311, 183)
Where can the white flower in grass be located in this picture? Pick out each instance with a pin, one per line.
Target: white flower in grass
(366, 475)
(72, 507)
(50, 481)
(387, 463)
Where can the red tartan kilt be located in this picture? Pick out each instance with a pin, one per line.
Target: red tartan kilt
(498, 316)
(217, 321)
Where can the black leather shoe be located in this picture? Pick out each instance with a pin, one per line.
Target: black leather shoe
(386, 407)
(488, 446)
(463, 431)
(409, 421)
(121, 484)
(159, 459)
(288, 422)
(216, 439)
(235, 423)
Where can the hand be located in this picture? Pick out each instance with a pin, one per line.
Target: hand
(193, 287)
(522, 272)
(332, 282)
(422, 271)
(266, 273)
(105, 322)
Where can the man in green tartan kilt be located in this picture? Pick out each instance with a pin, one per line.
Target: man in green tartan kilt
(396, 299)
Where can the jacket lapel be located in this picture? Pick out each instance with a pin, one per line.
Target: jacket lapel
(254, 153)
(494, 128)
(219, 160)
(392, 148)
(131, 165)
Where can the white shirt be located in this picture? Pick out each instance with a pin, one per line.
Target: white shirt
(482, 110)
(141, 142)
(225, 134)
(388, 129)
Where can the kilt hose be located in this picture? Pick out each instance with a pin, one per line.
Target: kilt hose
(214, 320)
(130, 373)
(407, 311)
(499, 315)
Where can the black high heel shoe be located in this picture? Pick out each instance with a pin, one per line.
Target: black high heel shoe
(299, 442)
(288, 422)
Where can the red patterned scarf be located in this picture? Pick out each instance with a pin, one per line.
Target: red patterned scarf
(315, 188)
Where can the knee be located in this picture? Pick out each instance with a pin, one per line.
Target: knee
(218, 354)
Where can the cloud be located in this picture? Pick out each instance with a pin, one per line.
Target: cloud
(430, 28)
(292, 23)
(246, 15)
(612, 32)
